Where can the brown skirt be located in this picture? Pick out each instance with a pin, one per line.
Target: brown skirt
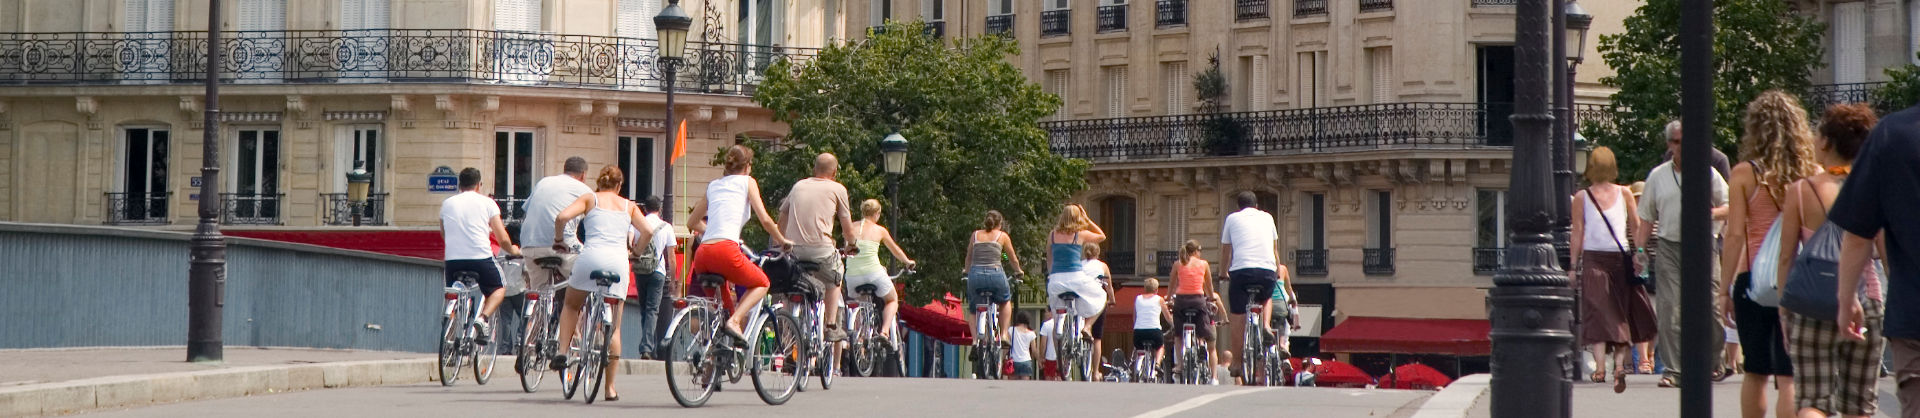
(1613, 309)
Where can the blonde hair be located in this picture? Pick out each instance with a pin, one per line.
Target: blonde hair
(1072, 219)
(1778, 140)
(1152, 285)
(1601, 166)
(1090, 251)
(870, 209)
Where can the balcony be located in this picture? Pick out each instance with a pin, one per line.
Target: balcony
(1000, 24)
(1279, 132)
(250, 208)
(1377, 261)
(1818, 97)
(512, 210)
(137, 208)
(1056, 22)
(937, 30)
(1163, 262)
(1375, 5)
(1488, 260)
(1170, 13)
(1305, 8)
(381, 56)
(1112, 18)
(1244, 10)
(1122, 263)
(1310, 262)
(1479, 3)
(339, 210)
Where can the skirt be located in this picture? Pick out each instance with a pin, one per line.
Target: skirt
(1093, 296)
(601, 259)
(1613, 309)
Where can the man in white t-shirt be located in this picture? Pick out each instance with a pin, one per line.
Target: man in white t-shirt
(467, 220)
(1248, 241)
(550, 196)
(652, 285)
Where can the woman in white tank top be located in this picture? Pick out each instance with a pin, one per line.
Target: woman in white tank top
(1614, 311)
(609, 217)
(718, 220)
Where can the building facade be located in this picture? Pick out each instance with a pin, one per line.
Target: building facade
(1864, 39)
(101, 112)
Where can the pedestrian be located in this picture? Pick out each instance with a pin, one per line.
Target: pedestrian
(1022, 348)
(606, 220)
(1049, 369)
(1776, 150)
(1614, 311)
(1838, 365)
(1642, 351)
(1248, 240)
(651, 284)
(1880, 195)
(1662, 207)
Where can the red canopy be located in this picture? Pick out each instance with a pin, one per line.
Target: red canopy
(941, 320)
(1458, 337)
(1341, 375)
(1416, 376)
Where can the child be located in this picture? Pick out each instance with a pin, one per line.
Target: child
(1022, 337)
(1148, 309)
(1049, 369)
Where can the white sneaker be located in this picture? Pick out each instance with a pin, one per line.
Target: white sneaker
(482, 332)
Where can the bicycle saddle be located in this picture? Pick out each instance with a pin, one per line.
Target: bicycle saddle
(712, 280)
(552, 261)
(1069, 296)
(604, 277)
(866, 289)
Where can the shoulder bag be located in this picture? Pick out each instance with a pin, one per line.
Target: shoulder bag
(1763, 282)
(1814, 281)
(1626, 267)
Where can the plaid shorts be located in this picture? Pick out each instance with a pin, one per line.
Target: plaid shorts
(1835, 374)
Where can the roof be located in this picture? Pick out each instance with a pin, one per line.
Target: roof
(1458, 337)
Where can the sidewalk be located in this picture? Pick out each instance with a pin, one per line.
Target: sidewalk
(1645, 399)
(24, 367)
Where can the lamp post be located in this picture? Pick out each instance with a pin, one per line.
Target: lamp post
(207, 264)
(671, 24)
(1696, 233)
(1531, 306)
(893, 151)
(358, 181)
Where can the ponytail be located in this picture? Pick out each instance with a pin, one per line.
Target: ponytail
(1188, 251)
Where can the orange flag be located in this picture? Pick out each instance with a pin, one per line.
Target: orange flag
(679, 143)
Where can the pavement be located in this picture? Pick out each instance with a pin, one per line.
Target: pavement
(25, 367)
(1645, 399)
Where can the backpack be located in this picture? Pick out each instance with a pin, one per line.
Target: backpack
(1765, 287)
(649, 259)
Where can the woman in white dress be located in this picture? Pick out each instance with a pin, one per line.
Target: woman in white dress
(1067, 244)
(608, 223)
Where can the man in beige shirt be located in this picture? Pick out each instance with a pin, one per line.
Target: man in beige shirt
(808, 214)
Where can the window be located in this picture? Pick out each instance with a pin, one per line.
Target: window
(1057, 85)
(516, 15)
(148, 16)
(1310, 84)
(1850, 42)
(1253, 75)
(1058, 4)
(264, 20)
(1913, 32)
(635, 19)
(933, 10)
(637, 161)
(761, 22)
(256, 176)
(1116, 78)
(1117, 216)
(1313, 227)
(1381, 63)
(1000, 7)
(1174, 75)
(1173, 220)
(1490, 210)
(365, 22)
(513, 170)
(358, 143)
(364, 14)
(879, 11)
(143, 174)
(1380, 219)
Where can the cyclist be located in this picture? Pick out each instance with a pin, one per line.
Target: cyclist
(1148, 309)
(1288, 301)
(1021, 337)
(467, 220)
(730, 201)
(864, 267)
(1099, 271)
(984, 272)
(1193, 292)
(1247, 246)
(607, 219)
(809, 212)
(1068, 241)
(549, 196)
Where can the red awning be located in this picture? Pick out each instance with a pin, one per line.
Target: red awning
(941, 320)
(1457, 337)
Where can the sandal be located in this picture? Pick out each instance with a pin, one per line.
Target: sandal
(1667, 382)
(1722, 375)
(1599, 377)
(1620, 381)
(1646, 367)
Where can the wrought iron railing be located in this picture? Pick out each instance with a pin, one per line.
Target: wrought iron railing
(1310, 262)
(1304, 8)
(1122, 263)
(382, 56)
(250, 208)
(937, 29)
(1111, 18)
(1056, 22)
(1820, 96)
(1478, 3)
(1594, 116)
(1487, 260)
(1249, 9)
(1000, 24)
(1377, 261)
(1293, 131)
(138, 208)
(512, 210)
(1163, 262)
(1169, 13)
(1375, 5)
(339, 209)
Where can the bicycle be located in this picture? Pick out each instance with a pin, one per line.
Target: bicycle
(590, 351)
(700, 353)
(1117, 368)
(1196, 358)
(459, 339)
(1257, 353)
(986, 340)
(542, 338)
(804, 305)
(1144, 369)
(1076, 360)
(866, 345)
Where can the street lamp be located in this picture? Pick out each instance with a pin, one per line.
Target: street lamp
(893, 152)
(358, 181)
(671, 26)
(1582, 150)
(1576, 35)
(207, 259)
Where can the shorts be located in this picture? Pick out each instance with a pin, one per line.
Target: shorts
(539, 278)
(992, 280)
(1023, 368)
(1100, 324)
(831, 271)
(1049, 369)
(1201, 322)
(1906, 374)
(485, 271)
(1244, 281)
(1148, 339)
(1762, 343)
(726, 259)
(882, 284)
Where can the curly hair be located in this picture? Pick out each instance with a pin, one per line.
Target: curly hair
(1845, 128)
(1779, 141)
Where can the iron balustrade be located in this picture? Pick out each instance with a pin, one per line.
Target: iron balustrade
(382, 56)
(1487, 260)
(1304, 8)
(1163, 262)
(1249, 9)
(1377, 261)
(1121, 263)
(1056, 22)
(339, 209)
(251, 208)
(1478, 3)
(1375, 5)
(1000, 24)
(1112, 18)
(937, 29)
(1310, 262)
(1168, 13)
(1594, 116)
(1819, 97)
(512, 209)
(1280, 132)
(138, 208)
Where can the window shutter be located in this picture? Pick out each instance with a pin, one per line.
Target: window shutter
(364, 14)
(1257, 84)
(876, 12)
(516, 15)
(1057, 84)
(1849, 42)
(1116, 91)
(1177, 84)
(636, 19)
(1304, 81)
(1175, 216)
(263, 15)
(1382, 60)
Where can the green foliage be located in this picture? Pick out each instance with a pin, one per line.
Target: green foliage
(971, 119)
(1901, 91)
(1758, 45)
(1223, 135)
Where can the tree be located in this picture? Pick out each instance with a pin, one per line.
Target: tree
(1223, 134)
(1901, 91)
(971, 118)
(1757, 45)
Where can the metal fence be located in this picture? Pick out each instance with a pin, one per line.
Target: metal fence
(1000, 24)
(1418, 125)
(339, 209)
(251, 208)
(1375, 5)
(137, 208)
(1377, 261)
(1310, 262)
(381, 56)
(1056, 22)
(1111, 18)
(1250, 9)
(1168, 13)
(1304, 8)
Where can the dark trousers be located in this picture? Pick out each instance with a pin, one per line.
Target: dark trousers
(649, 306)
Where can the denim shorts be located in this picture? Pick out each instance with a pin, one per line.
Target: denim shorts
(987, 279)
(1023, 368)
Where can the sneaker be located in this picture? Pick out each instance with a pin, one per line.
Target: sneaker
(483, 334)
(559, 363)
(834, 335)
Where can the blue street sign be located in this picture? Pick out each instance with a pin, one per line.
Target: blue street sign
(443, 180)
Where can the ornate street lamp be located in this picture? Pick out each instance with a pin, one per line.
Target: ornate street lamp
(671, 24)
(893, 151)
(1578, 21)
(358, 181)
(207, 262)
(1582, 150)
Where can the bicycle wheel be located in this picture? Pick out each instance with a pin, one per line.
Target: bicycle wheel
(529, 362)
(828, 356)
(596, 370)
(865, 352)
(449, 359)
(589, 334)
(777, 363)
(1205, 358)
(689, 368)
(570, 375)
(1277, 368)
(486, 354)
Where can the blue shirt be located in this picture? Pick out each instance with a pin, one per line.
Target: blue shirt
(1879, 196)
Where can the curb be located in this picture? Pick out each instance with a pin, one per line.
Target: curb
(60, 398)
(1457, 399)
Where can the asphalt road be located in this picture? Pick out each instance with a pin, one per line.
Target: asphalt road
(647, 395)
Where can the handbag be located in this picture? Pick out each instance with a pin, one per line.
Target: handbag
(1764, 287)
(1813, 283)
(1616, 240)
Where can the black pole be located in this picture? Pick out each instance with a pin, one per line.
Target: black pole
(207, 268)
(358, 206)
(1531, 306)
(1696, 233)
(664, 313)
(1563, 186)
